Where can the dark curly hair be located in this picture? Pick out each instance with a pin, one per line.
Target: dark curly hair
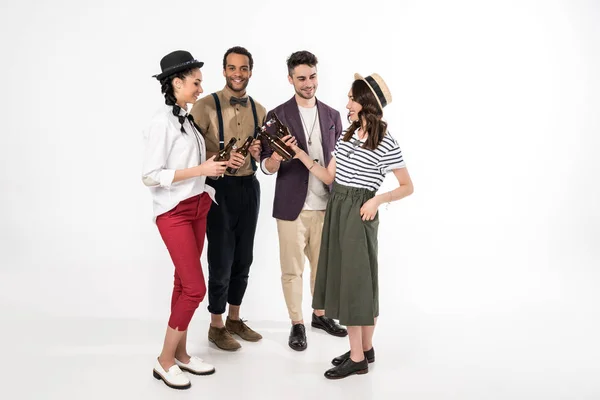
(302, 57)
(372, 114)
(238, 50)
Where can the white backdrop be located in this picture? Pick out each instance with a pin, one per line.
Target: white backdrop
(495, 105)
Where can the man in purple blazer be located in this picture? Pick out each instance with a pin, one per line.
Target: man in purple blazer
(300, 198)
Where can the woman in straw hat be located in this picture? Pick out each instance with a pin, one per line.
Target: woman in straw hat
(175, 169)
(347, 282)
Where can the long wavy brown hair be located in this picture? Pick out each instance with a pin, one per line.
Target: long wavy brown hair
(372, 113)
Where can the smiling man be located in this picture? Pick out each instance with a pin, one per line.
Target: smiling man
(300, 199)
(231, 223)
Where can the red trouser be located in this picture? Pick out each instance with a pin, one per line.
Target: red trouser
(183, 229)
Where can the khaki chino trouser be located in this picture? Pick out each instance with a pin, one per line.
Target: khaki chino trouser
(299, 239)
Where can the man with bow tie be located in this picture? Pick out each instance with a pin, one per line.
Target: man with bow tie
(231, 223)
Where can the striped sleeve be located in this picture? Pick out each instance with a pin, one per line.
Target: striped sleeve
(392, 158)
(337, 146)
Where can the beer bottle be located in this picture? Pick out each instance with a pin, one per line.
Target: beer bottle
(274, 140)
(243, 151)
(280, 129)
(223, 155)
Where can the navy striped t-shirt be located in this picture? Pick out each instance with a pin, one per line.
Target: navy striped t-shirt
(364, 168)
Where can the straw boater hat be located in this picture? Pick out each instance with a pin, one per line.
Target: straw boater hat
(378, 87)
(177, 61)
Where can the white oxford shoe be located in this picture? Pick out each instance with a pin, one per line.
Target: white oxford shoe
(173, 378)
(196, 366)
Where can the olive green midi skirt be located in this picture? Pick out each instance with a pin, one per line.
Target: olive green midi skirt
(346, 285)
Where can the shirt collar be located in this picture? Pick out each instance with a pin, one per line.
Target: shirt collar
(355, 135)
(169, 110)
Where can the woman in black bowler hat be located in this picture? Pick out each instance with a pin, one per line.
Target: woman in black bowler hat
(175, 169)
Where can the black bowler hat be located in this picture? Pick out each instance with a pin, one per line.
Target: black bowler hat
(177, 61)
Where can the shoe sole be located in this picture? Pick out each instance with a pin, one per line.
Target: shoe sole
(247, 340)
(359, 372)
(331, 333)
(222, 348)
(212, 371)
(297, 348)
(160, 378)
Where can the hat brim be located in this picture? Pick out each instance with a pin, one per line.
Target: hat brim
(179, 68)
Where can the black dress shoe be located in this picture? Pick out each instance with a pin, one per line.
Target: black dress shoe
(328, 325)
(347, 368)
(369, 356)
(297, 340)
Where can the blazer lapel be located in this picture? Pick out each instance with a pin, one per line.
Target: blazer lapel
(325, 123)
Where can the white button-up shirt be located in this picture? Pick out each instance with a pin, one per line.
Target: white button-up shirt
(167, 149)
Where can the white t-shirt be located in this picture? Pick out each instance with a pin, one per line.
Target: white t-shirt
(317, 194)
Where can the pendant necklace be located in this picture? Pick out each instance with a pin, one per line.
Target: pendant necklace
(313, 126)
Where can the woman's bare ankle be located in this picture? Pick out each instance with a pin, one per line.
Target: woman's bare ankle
(166, 363)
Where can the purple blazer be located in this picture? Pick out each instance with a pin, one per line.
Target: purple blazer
(291, 186)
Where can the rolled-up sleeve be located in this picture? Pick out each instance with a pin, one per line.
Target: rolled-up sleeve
(156, 151)
(391, 160)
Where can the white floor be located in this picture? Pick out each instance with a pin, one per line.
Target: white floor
(489, 273)
(525, 355)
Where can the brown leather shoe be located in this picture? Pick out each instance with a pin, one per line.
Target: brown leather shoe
(242, 330)
(223, 339)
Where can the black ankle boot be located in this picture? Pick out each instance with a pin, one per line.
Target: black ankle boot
(347, 368)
